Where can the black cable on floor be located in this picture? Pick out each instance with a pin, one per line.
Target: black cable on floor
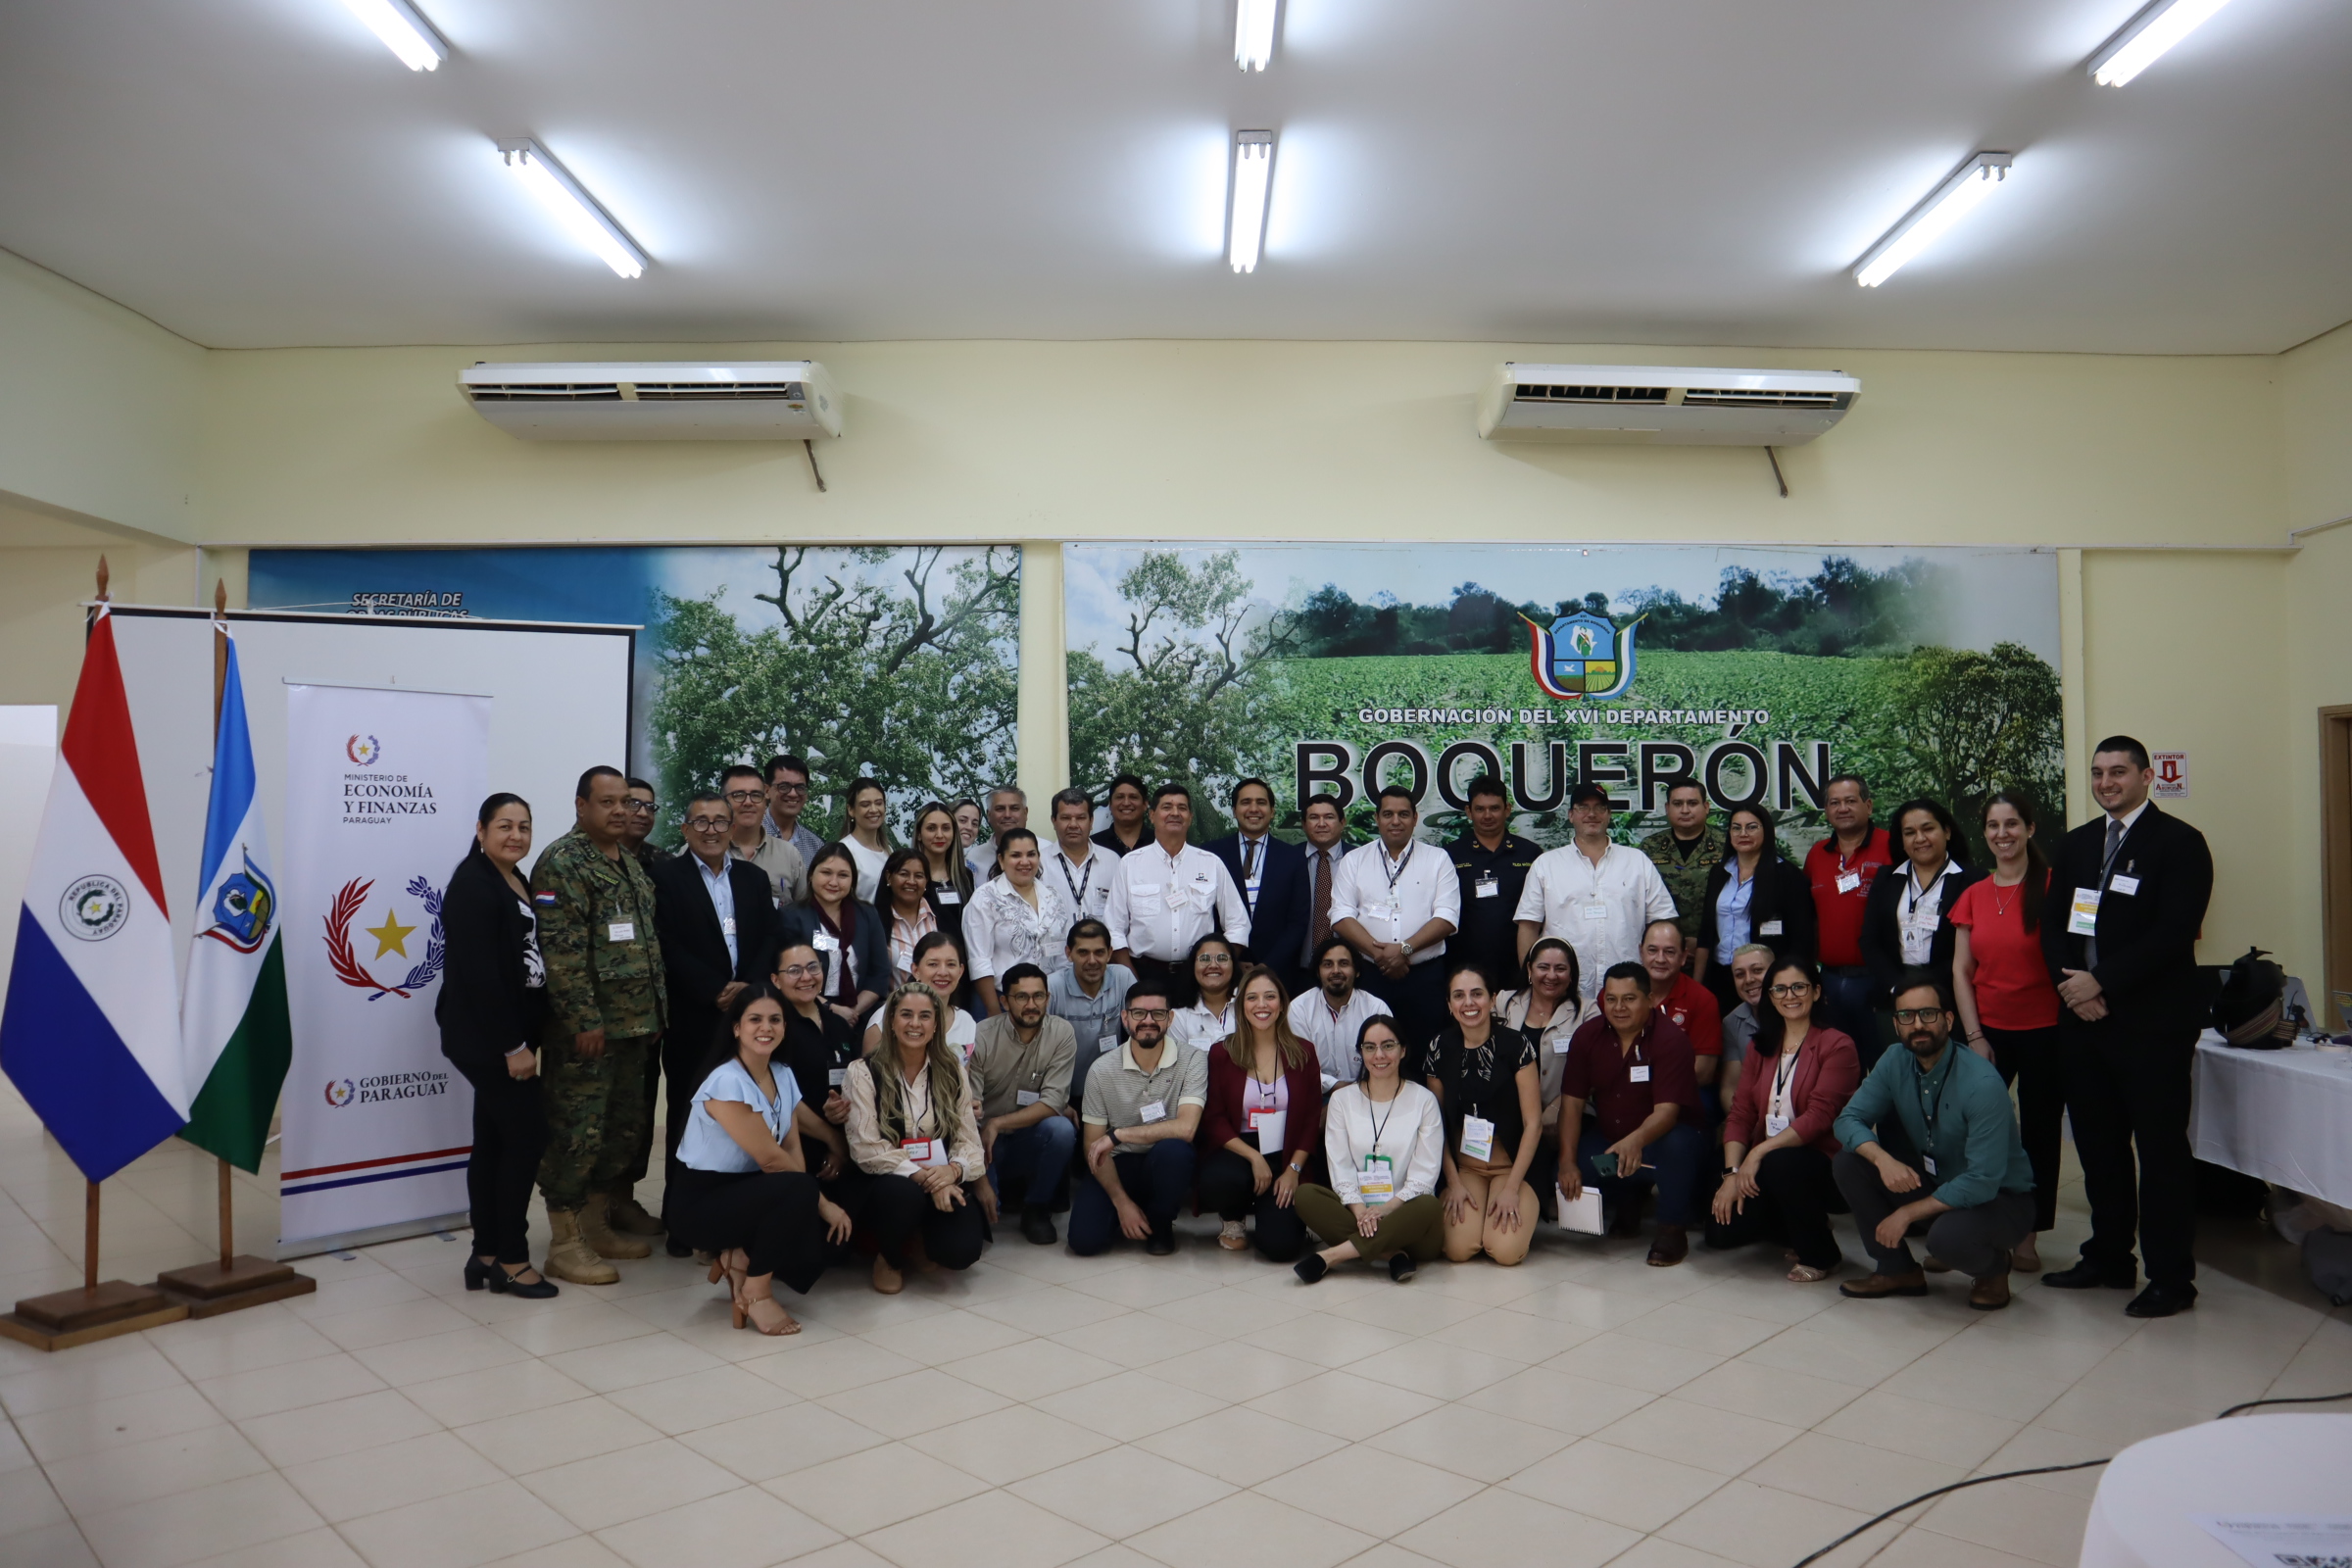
(1869, 1525)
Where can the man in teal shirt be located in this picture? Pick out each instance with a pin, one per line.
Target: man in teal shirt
(1973, 1186)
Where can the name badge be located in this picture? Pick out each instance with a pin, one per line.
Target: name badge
(1639, 1074)
(924, 1151)
(1770, 928)
(946, 895)
(2124, 884)
(1559, 1047)
(622, 931)
(2083, 917)
(1849, 881)
(1025, 1096)
(1774, 1126)
(727, 925)
(825, 941)
(1376, 1183)
(1269, 1126)
(1110, 1041)
(1928, 1160)
(1478, 1138)
(837, 1076)
(1488, 886)
(1596, 911)
(1157, 1110)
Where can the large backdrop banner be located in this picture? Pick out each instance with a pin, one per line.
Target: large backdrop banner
(898, 662)
(381, 788)
(1760, 672)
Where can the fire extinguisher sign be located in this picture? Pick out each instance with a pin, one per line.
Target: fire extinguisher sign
(2172, 775)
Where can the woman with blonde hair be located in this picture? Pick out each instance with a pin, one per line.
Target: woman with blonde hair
(913, 1141)
(1257, 1131)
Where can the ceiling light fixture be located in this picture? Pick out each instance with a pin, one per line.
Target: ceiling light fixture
(2146, 38)
(1959, 195)
(1253, 181)
(403, 30)
(1253, 33)
(571, 206)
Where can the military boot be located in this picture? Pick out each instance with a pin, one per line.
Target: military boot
(628, 1217)
(569, 1258)
(597, 1231)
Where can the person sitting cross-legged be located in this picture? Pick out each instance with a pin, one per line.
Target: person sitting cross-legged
(1973, 1188)
(1142, 1107)
(1384, 1138)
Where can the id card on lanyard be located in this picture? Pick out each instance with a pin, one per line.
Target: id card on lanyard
(1376, 1183)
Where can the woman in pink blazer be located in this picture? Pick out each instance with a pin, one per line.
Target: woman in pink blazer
(1776, 1137)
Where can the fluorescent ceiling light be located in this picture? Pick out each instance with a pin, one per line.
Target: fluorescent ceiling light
(572, 207)
(2146, 36)
(1252, 179)
(1959, 195)
(1253, 33)
(405, 32)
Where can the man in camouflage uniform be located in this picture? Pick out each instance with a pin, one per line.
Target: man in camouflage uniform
(1685, 852)
(605, 1011)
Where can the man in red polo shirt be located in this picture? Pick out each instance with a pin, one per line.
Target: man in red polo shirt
(1647, 1127)
(1682, 1000)
(1842, 868)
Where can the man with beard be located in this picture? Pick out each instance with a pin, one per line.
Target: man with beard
(1332, 1015)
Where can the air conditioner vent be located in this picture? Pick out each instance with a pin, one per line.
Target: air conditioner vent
(1731, 397)
(775, 400)
(1662, 405)
(1592, 394)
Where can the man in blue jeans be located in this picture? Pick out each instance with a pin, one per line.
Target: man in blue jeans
(1021, 1061)
(1647, 1128)
(1142, 1108)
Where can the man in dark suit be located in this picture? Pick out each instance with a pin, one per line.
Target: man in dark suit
(1267, 870)
(719, 931)
(2119, 930)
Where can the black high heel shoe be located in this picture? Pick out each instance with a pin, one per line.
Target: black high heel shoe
(538, 1290)
(484, 1276)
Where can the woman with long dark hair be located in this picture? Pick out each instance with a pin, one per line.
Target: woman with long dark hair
(2008, 1008)
(493, 998)
(1487, 1082)
(845, 932)
(1257, 1131)
(914, 1142)
(866, 834)
(1383, 1142)
(745, 1191)
(946, 875)
(1208, 1014)
(905, 907)
(1547, 1009)
(1777, 1144)
(1756, 895)
(1906, 916)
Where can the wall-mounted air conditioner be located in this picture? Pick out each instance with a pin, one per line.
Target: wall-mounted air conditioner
(771, 400)
(1672, 405)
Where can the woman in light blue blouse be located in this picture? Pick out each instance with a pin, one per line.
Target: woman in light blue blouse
(745, 1192)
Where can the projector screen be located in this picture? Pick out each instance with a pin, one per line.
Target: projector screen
(560, 705)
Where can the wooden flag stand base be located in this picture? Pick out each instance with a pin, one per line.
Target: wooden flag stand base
(63, 1319)
(238, 1281)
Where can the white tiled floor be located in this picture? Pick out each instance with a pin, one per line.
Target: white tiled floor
(1042, 1410)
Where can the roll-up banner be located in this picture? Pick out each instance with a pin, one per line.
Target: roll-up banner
(381, 788)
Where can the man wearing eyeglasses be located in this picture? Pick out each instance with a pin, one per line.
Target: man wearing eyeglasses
(751, 838)
(718, 932)
(634, 834)
(787, 798)
(1972, 1188)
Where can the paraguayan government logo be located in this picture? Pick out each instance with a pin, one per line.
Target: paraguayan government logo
(363, 750)
(94, 908)
(391, 937)
(340, 1091)
(1584, 657)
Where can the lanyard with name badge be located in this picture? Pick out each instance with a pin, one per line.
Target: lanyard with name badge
(1078, 889)
(1931, 1110)
(1373, 1186)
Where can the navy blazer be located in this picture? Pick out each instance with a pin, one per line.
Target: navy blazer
(1882, 927)
(1278, 921)
(694, 950)
(868, 939)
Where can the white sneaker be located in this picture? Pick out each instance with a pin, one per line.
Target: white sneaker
(1233, 1235)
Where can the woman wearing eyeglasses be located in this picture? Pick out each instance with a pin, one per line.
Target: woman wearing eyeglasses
(1776, 1140)
(818, 1046)
(1384, 1139)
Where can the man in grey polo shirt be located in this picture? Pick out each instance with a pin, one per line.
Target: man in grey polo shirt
(1021, 1061)
(1141, 1107)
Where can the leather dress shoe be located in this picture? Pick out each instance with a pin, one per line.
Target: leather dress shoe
(2089, 1274)
(2162, 1300)
(1879, 1286)
(1670, 1247)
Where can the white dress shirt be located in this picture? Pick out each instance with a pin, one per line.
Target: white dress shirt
(1918, 913)
(1000, 929)
(1392, 898)
(1198, 1027)
(1161, 903)
(1333, 1035)
(1600, 910)
(721, 885)
(1251, 852)
(1338, 853)
(1086, 883)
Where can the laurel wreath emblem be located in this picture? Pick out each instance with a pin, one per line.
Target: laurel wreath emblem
(346, 964)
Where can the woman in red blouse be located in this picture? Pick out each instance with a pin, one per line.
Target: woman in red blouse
(1259, 1127)
(1777, 1146)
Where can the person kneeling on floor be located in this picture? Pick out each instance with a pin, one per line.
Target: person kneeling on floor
(1142, 1107)
(1634, 1068)
(1973, 1188)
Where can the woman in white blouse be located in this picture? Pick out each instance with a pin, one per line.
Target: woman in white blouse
(1015, 918)
(914, 1144)
(1211, 1017)
(869, 839)
(1385, 1140)
(938, 965)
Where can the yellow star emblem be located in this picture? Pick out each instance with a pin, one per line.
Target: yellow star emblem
(391, 936)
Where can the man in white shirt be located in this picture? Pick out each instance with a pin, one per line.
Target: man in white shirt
(1596, 895)
(1331, 1015)
(1395, 901)
(1007, 808)
(1168, 894)
(1076, 864)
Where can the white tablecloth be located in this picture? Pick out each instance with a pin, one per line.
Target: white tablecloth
(2250, 1465)
(2283, 1115)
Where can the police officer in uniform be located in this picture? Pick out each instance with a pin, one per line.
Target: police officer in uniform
(607, 1007)
(1491, 862)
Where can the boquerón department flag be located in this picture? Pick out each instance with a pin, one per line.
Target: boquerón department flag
(232, 1019)
(90, 1034)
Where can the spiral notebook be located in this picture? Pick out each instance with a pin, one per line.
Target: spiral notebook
(1581, 1216)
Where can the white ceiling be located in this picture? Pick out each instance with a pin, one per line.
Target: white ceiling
(256, 173)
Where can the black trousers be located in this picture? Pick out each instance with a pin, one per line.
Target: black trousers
(510, 1135)
(2127, 1091)
(2029, 1058)
(1975, 1241)
(1418, 1002)
(1796, 1192)
(893, 1208)
(678, 1058)
(1225, 1183)
(770, 1214)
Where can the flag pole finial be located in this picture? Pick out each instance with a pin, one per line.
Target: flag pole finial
(219, 598)
(102, 577)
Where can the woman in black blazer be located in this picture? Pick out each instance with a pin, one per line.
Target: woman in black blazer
(1915, 895)
(1779, 903)
(839, 927)
(493, 997)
